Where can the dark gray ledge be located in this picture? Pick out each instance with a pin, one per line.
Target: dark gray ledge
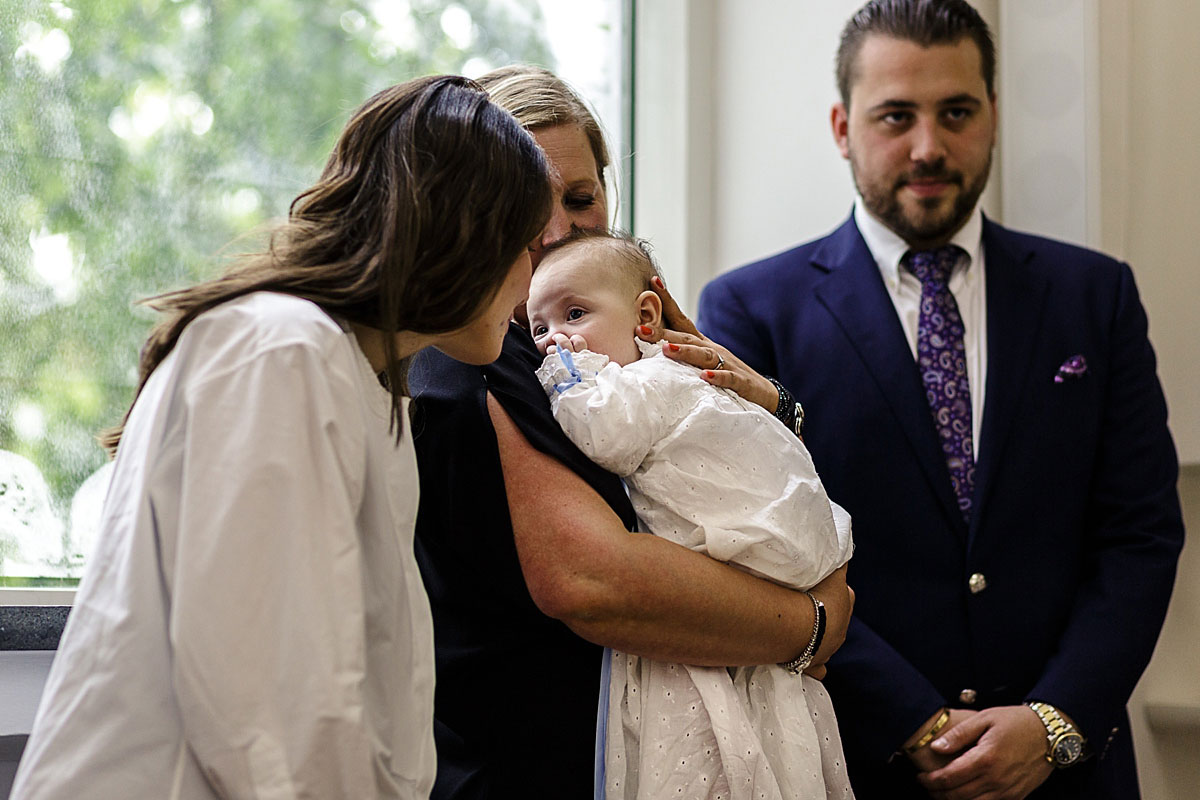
(32, 627)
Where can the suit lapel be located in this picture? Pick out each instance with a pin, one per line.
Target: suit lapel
(854, 294)
(1016, 295)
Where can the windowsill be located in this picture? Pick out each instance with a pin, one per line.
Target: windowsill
(24, 596)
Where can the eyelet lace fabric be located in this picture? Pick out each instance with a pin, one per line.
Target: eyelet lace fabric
(721, 476)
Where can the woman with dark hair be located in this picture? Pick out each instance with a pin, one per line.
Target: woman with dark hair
(526, 546)
(253, 623)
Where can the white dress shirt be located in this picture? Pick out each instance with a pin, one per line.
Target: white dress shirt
(967, 284)
(252, 622)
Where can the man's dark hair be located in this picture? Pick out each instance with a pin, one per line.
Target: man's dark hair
(925, 22)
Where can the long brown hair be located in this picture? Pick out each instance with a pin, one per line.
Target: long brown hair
(428, 198)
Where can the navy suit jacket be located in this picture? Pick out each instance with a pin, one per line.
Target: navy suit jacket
(1076, 526)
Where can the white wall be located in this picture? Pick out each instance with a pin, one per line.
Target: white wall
(1149, 76)
(1150, 183)
(735, 161)
(778, 177)
(734, 153)
(742, 164)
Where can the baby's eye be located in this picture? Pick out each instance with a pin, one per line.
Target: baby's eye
(574, 314)
(539, 330)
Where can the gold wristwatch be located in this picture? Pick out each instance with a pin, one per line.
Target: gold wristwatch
(1064, 744)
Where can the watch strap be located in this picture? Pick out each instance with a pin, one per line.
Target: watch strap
(1057, 727)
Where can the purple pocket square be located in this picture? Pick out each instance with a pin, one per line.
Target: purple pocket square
(1073, 367)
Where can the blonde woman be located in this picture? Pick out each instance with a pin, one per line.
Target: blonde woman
(526, 545)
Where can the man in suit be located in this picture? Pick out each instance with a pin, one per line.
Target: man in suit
(985, 404)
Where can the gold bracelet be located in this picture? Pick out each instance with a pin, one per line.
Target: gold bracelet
(940, 723)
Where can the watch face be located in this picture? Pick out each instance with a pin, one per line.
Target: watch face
(1067, 749)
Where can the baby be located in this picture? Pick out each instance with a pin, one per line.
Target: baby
(714, 473)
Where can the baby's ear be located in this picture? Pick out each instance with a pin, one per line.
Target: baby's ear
(649, 308)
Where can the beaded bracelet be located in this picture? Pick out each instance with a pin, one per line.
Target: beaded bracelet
(788, 411)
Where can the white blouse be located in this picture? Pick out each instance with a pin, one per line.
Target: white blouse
(252, 623)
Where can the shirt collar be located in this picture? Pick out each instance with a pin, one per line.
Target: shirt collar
(888, 247)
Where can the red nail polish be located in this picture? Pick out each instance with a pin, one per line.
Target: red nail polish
(708, 373)
(645, 330)
(659, 282)
(674, 348)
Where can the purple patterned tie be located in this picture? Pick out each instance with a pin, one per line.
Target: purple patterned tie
(942, 359)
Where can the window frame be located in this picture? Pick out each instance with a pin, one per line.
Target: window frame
(622, 171)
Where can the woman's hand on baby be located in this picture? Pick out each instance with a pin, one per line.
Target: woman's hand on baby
(838, 598)
(681, 341)
(572, 345)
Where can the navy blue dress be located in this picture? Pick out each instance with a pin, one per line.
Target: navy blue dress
(515, 705)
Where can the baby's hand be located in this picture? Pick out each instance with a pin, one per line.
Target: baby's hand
(571, 345)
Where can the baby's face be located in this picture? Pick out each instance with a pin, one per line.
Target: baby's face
(573, 292)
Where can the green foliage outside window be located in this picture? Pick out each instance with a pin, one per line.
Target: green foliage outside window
(138, 138)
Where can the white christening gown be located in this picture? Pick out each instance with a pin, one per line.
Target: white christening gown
(717, 474)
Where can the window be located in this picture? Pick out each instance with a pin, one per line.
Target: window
(138, 139)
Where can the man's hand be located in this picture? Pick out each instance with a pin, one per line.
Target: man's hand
(997, 754)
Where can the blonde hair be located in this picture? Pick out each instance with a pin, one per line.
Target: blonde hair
(540, 99)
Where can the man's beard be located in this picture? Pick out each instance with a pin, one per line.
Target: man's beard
(925, 231)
